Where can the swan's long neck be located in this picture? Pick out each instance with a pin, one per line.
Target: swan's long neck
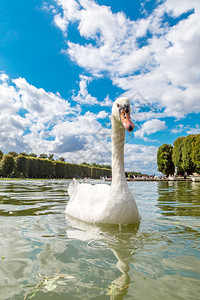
(118, 137)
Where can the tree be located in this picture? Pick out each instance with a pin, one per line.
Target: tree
(32, 155)
(164, 159)
(33, 167)
(21, 166)
(50, 157)
(106, 166)
(95, 165)
(187, 162)
(1, 154)
(196, 153)
(61, 159)
(46, 168)
(59, 169)
(23, 154)
(13, 153)
(177, 154)
(7, 165)
(43, 156)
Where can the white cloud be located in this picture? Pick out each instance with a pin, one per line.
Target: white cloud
(34, 120)
(168, 64)
(149, 127)
(12, 125)
(141, 158)
(48, 124)
(102, 115)
(178, 128)
(165, 71)
(178, 7)
(61, 22)
(195, 130)
(39, 103)
(186, 129)
(28, 115)
(106, 102)
(70, 9)
(83, 97)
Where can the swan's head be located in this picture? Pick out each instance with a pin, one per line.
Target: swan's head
(121, 112)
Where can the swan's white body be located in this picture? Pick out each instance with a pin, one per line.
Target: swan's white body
(102, 203)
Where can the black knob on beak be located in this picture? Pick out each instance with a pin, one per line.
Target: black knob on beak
(130, 129)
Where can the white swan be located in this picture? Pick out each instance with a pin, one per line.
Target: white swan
(102, 203)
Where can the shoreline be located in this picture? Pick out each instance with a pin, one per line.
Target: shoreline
(162, 180)
(129, 180)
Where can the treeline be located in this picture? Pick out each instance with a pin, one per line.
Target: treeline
(184, 155)
(136, 174)
(26, 166)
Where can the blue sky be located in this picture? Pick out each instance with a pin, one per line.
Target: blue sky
(64, 62)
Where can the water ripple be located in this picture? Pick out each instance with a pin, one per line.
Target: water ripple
(158, 258)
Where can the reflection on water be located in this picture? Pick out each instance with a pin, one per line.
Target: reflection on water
(115, 238)
(179, 198)
(159, 258)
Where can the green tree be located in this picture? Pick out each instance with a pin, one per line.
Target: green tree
(1, 154)
(43, 156)
(46, 168)
(164, 159)
(23, 154)
(50, 157)
(60, 169)
(187, 162)
(21, 166)
(13, 153)
(95, 165)
(196, 153)
(33, 167)
(106, 166)
(7, 165)
(61, 159)
(32, 155)
(177, 155)
(50, 169)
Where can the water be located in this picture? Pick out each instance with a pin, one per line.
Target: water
(44, 255)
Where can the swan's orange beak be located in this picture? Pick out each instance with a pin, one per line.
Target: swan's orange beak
(126, 121)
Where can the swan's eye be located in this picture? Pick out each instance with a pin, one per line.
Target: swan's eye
(117, 105)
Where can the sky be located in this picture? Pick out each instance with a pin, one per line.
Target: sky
(64, 62)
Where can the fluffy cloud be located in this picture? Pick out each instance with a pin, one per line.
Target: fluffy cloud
(60, 22)
(179, 7)
(147, 57)
(149, 127)
(178, 128)
(141, 158)
(164, 69)
(12, 124)
(83, 97)
(195, 130)
(107, 102)
(87, 132)
(186, 129)
(34, 120)
(39, 103)
(28, 115)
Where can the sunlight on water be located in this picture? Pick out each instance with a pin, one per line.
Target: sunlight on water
(47, 255)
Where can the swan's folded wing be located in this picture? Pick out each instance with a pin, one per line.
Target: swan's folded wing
(88, 201)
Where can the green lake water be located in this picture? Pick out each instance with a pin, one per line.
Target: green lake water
(46, 255)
